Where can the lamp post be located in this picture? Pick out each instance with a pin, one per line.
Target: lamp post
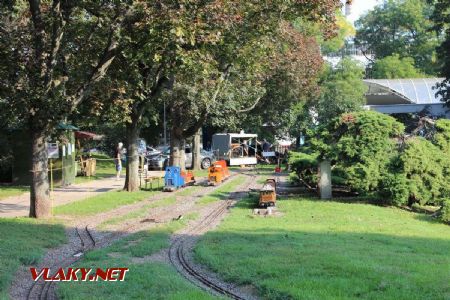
(165, 125)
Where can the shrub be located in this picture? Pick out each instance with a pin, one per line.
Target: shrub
(445, 213)
(394, 189)
(423, 165)
(360, 145)
(305, 167)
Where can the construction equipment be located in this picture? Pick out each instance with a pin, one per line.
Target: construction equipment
(173, 179)
(268, 193)
(218, 172)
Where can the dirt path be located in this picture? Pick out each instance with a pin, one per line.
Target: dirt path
(19, 206)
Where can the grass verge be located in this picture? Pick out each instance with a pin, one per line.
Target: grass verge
(24, 242)
(222, 192)
(9, 191)
(330, 250)
(146, 279)
(104, 202)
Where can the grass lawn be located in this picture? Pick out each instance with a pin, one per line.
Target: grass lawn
(330, 250)
(103, 202)
(23, 242)
(104, 169)
(146, 279)
(222, 192)
(8, 191)
(201, 173)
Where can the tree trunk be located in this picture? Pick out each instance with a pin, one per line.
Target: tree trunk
(132, 174)
(177, 155)
(196, 161)
(40, 205)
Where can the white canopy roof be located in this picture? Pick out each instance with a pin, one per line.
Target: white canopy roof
(402, 91)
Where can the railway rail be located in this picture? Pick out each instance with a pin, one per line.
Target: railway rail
(177, 253)
(45, 290)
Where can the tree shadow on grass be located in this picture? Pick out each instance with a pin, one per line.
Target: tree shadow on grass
(285, 264)
(24, 241)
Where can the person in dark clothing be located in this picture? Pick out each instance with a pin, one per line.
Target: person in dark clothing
(266, 146)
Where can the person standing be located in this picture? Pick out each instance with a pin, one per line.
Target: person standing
(266, 146)
(118, 159)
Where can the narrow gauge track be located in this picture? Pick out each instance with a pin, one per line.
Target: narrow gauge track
(178, 259)
(44, 290)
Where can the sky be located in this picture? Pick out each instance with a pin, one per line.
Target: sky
(360, 7)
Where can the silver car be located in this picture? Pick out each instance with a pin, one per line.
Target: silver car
(161, 161)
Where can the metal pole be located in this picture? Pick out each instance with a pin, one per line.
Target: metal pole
(51, 185)
(165, 125)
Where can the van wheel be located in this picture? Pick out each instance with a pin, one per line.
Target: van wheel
(206, 163)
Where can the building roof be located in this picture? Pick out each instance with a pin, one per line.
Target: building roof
(402, 91)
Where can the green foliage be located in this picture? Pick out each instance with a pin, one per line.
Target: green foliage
(367, 155)
(360, 145)
(391, 67)
(305, 167)
(342, 90)
(345, 30)
(394, 189)
(445, 213)
(403, 27)
(442, 136)
(423, 166)
(441, 17)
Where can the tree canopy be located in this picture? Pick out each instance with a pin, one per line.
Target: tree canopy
(402, 27)
(392, 67)
(441, 17)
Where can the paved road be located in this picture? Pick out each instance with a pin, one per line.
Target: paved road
(19, 206)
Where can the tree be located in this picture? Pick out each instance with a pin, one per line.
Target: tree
(237, 70)
(53, 53)
(296, 66)
(441, 17)
(391, 67)
(345, 31)
(400, 27)
(342, 90)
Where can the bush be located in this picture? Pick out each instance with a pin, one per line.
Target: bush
(423, 165)
(394, 189)
(445, 216)
(305, 167)
(360, 145)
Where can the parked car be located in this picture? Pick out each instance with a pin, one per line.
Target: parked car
(152, 151)
(161, 161)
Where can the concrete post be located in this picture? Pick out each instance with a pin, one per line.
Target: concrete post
(325, 180)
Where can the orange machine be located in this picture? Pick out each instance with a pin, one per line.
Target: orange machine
(268, 193)
(218, 172)
(188, 177)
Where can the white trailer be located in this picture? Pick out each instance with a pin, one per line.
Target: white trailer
(236, 148)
